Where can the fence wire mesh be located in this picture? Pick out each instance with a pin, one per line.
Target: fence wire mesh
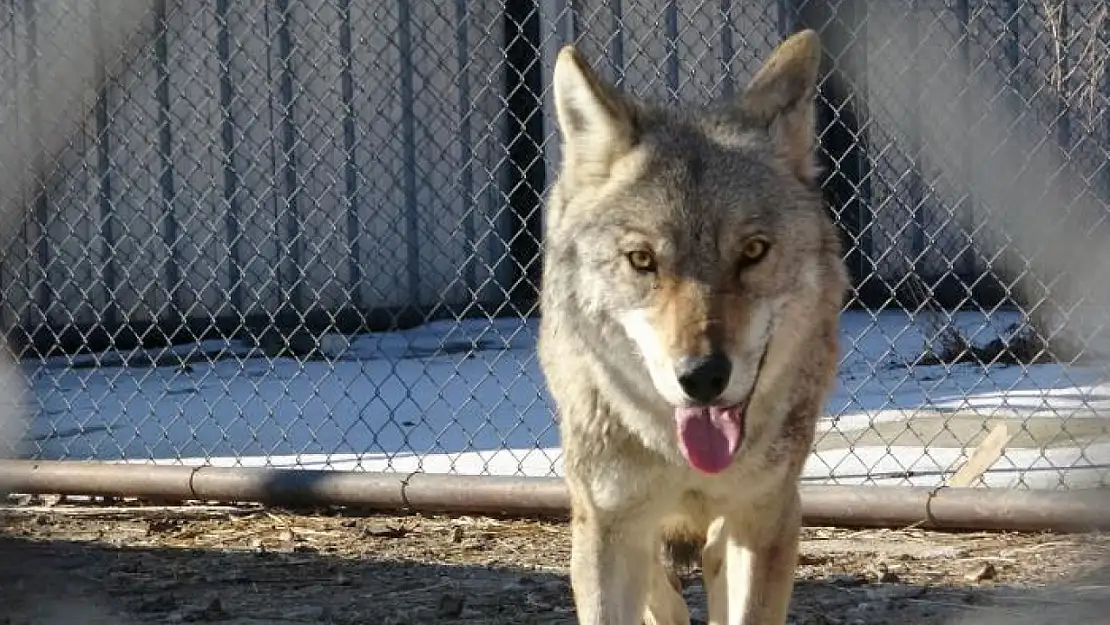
(307, 233)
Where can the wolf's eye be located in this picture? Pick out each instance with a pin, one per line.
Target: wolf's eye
(641, 260)
(753, 250)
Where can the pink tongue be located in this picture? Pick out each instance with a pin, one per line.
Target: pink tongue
(709, 436)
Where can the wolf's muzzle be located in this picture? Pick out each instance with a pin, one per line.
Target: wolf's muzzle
(704, 378)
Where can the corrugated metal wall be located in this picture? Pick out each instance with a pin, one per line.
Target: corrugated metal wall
(267, 158)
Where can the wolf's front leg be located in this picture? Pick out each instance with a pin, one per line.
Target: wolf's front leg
(611, 565)
(749, 565)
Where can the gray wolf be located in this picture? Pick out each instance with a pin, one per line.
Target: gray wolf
(692, 284)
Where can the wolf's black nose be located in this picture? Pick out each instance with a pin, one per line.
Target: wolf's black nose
(704, 377)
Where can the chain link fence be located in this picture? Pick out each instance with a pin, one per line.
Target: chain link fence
(307, 233)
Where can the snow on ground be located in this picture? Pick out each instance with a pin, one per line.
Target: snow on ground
(468, 398)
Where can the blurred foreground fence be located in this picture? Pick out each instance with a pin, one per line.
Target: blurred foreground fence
(306, 233)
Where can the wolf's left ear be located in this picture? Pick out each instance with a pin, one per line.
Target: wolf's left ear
(597, 124)
(780, 98)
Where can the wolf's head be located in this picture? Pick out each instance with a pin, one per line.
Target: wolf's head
(698, 237)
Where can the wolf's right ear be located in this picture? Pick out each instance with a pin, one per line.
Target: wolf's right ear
(597, 124)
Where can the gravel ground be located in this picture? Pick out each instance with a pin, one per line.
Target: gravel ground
(127, 564)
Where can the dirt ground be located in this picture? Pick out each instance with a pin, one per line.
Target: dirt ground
(126, 564)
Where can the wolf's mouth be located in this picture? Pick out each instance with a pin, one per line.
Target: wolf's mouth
(710, 435)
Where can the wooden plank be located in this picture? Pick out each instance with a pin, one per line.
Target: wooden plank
(982, 458)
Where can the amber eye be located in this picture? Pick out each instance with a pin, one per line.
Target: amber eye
(641, 260)
(753, 250)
